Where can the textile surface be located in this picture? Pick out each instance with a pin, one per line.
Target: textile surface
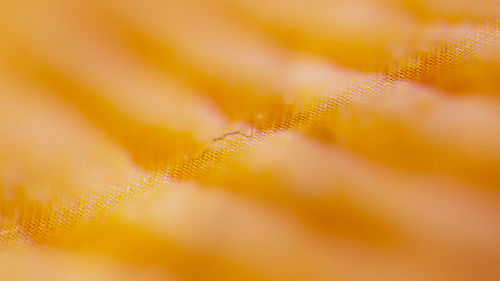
(250, 140)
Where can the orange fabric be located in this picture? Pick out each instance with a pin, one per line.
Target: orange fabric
(250, 140)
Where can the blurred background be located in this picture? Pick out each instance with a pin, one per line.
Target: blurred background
(226, 140)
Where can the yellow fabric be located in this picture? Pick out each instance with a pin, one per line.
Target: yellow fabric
(249, 140)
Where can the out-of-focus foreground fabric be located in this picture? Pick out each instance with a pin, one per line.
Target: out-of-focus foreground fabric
(233, 140)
